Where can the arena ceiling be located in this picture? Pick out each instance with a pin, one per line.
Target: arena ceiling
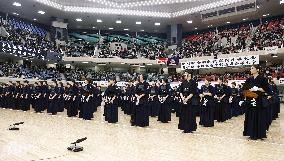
(148, 12)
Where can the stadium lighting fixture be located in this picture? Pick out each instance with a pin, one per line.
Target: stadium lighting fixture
(41, 12)
(17, 4)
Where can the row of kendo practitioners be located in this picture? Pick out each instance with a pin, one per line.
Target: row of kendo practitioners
(141, 100)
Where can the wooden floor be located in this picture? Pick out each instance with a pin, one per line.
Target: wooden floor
(46, 137)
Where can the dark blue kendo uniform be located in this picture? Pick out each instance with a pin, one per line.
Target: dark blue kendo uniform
(140, 115)
(220, 105)
(165, 109)
(87, 109)
(187, 119)
(153, 104)
(111, 107)
(255, 123)
(207, 107)
(53, 100)
(26, 98)
(74, 100)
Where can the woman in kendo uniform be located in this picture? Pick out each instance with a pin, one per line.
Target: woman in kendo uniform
(129, 93)
(96, 97)
(38, 98)
(87, 110)
(227, 99)
(53, 98)
(60, 99)
(176, 101)
(164, 92)
(236, 109)
(11, 96)
(73, 99)
(1, 95)
(207, 105)
(45, 94)
(255, 117)
(26, 96)
(220, 101)
(153, 102)
(18, 93)
(274, 100)
(140, 115)
(187, 119)
(111, 102)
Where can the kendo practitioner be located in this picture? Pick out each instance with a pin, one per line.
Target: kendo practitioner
(255, 116)
(1, 95)
(96, 97)
(111, 101)
(11, 95)
(26, 96)
(129, 102)
(163, 97)
(140, 115)
(18, 93)
(176, 101)
(153, 102)
(235, 99)
(228, 100)
(60, 99)
(73, 99)
(207, 105)
(274, 100)
(38, 95)
(5, 96)
(187, 119)
(87, 109)
(220, 102)
(53, 99)
(45, 94)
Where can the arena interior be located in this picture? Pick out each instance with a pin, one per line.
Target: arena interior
(141, 80)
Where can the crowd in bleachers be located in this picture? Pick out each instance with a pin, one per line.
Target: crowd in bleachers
(27, 35)
(25, 72)
(234, 40)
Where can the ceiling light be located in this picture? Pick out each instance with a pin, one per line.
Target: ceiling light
(118, 21)
(99, 21)
(17, 4)
(110, 28)
(190, 21)
(157, 24)
(41, 12)
(125, 29)
(79, 20)
(138, 23)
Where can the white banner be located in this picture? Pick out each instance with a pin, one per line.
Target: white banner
(221, 62)
(271, 50)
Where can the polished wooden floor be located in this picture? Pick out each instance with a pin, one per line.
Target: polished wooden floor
(46, 137)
